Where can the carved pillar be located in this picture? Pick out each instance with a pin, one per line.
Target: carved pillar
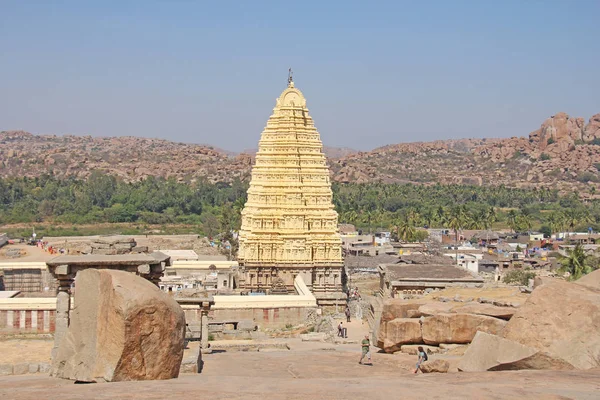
(204, 328)
(63, 307)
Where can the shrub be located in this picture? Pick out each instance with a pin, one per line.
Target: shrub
(519, 277)
(544, 157)
(550, 141)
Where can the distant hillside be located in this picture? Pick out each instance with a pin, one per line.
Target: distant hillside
(563, 154)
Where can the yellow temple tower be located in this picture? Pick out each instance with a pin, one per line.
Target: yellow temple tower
(289, 225)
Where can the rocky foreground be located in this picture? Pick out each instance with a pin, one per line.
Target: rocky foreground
(563, 154)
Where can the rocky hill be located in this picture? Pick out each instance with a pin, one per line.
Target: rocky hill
(563, 154)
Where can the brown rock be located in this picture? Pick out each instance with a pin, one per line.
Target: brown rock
(397, 308)
(486, 309)
(122, 328)
(398, 332)
(458, 328)
(592, 129)
(440, 366)
(562, 319)
(591, 280)
(493, 353)
(436, 308)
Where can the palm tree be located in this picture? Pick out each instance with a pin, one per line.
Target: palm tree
(457, 219)
(555, 221)
(575, 263)
(490, 217)
(511, 219)
(406, 228)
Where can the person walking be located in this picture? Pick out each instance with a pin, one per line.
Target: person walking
(422, 357)
(347, 312)
(366, 344)
(341, 329)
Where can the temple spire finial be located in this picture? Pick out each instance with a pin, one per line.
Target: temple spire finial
(290, 78)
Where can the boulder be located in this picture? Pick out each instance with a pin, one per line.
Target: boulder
(591, 280)
(562, 319)
(486, 309)
(458, 328)
(122, 328)
(436, 308)
(413, 349)
(492, 353)
(397, 308)
(398, 332)
(441, 366)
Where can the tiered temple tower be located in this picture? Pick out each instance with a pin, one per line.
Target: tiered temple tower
(289, 225)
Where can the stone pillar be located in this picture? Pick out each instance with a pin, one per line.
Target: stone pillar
(204, 328)
(63, 308)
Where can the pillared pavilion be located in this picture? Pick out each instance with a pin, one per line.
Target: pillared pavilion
(289, 225)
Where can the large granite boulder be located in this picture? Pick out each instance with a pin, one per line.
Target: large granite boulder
(486, 309)
(397, 308)
(436, 308)
(458, 328)
(398, 332)
(122, 328)
(562, 319)
(492, 353)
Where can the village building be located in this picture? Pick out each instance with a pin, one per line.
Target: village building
(289, 225)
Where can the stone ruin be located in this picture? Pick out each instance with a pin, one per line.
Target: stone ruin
(123, 328)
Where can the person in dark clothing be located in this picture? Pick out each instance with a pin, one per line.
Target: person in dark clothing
(347, 312)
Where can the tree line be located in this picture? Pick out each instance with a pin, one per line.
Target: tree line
(216, 207)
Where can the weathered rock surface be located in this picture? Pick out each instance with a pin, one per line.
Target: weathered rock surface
(398, 332)
(397, 308)
(591, 280)
(562, 319)
(122, 328)
(436, 308)
(458, 328)
(486, 309)
(492, 353)
(441, 366)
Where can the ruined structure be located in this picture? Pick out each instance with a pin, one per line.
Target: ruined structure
(289, 225)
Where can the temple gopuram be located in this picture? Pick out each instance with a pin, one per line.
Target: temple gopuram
(289, 225)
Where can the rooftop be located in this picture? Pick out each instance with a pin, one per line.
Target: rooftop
(426, 271)
(123, 259)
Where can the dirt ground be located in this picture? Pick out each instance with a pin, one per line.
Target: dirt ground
(317, 371)
(14, 351)
(30, 253)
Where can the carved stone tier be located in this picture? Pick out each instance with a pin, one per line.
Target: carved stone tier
(289, 225)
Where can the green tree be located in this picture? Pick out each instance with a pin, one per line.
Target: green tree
(575, 263)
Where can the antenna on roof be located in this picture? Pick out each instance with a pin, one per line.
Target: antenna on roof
(290, 76)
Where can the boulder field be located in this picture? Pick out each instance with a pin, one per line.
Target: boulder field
(558, 327)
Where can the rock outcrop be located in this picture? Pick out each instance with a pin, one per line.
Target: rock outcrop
(562, 319)
(122, 328)
(492, 353)
(458, 328)
(398, 332)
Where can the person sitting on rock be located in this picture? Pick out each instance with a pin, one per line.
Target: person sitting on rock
(422, 357)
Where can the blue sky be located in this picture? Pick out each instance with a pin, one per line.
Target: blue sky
(374, 73)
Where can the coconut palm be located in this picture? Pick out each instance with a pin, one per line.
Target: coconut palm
(575, 263)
